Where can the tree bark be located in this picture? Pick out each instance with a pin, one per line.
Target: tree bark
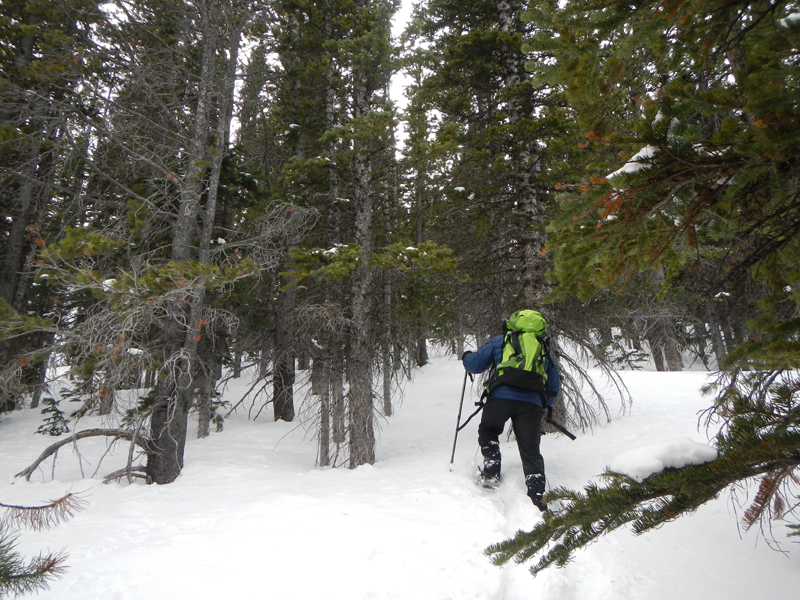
(529, 202)
(186, 227)
(717, 343)
(321, 386)
(656, 347)
(283, 366)
(338, 413)
(174, 397)
(359, 360)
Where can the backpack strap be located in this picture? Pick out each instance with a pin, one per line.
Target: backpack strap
(492, 382)
(515, 342)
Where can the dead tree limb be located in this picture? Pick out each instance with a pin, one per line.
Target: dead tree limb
(128, 471)
(117, 434)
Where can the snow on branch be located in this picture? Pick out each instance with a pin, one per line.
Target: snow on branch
(642, 462)
(641, 160)
(791, 21)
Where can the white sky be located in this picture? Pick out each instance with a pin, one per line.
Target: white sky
(399, 80)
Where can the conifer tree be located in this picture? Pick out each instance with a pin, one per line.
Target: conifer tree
(710, 199)
(495, 180)
(329, 126)
(502, 136)
(138, 265)
(45, 66)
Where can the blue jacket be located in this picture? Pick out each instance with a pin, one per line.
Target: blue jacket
(491, 353)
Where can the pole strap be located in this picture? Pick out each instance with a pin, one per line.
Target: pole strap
(480, 404)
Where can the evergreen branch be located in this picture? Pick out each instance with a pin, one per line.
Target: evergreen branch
(645, 505)
(18, 578)
(44, 517)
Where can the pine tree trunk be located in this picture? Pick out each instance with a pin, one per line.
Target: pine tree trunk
(359, 360)
(150, 379)
(167, 435)
(205, 387)
(459, 335)
(529, 202)
(283, 369)
(656, 349)
(238, 352)
(332, 410)
(222, 141)
(264, 360)
(338, 413)
(714, 332)
(186, 229)
(321, 386)
(672, 353)
(106, 404)
(421, 354)
(325, 429)
(169, 421)
(386, 348)
(387, 320)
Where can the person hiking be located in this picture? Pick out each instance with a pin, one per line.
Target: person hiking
(525, 407)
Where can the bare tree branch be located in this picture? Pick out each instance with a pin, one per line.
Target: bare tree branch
(122, 434)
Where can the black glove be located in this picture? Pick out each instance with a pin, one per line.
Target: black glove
(549, 413)
(465, 354)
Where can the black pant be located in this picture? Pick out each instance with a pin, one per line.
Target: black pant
(526, 418)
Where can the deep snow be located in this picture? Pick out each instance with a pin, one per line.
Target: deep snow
(251, 516)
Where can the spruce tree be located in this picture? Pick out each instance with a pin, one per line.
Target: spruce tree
(499, 147)
(710, 200)
(46, 51)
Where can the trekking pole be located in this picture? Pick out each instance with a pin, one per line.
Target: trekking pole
(558, 426)
(458, 422)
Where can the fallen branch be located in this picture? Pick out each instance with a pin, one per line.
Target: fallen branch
(129, 472)
(117, 434)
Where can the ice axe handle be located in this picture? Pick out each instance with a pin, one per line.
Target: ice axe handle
(561, 428)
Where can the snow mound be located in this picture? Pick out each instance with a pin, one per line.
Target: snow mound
(647, 460)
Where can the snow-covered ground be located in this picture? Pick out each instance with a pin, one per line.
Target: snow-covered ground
(251, 517)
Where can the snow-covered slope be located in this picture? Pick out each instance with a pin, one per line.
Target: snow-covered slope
(251, 517)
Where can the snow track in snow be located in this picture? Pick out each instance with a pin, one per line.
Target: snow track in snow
(252, 517)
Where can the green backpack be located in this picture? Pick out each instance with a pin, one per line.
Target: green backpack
(524, 349)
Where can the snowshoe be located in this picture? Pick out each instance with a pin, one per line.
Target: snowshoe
(489, 483)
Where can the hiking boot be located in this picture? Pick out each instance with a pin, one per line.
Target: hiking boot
(538, 502)
(491, 460)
